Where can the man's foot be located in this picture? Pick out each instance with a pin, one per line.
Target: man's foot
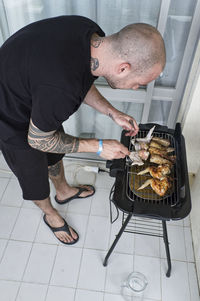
(61, 230)
(83, 191)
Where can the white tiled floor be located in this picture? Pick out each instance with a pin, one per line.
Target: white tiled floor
(35, 266)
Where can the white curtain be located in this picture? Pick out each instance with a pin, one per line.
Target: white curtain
(111, 15)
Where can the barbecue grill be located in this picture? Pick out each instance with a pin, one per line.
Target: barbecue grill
(144, 212)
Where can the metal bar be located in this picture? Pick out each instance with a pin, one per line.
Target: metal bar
(145, 228)
(153, 225)
(74, 158)
(163, 93)
(144, 233)
(147, 104)
(117, 238)
(162, 21)
(149, 225)
(183, 73)
(167, 248)
(122, 95)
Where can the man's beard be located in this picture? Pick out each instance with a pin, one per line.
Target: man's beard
(111, 83)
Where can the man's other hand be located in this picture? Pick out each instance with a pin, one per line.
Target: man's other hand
(127, 122)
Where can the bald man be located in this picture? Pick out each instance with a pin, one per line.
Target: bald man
(47, 70)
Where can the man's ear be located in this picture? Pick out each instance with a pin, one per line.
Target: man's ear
(124, 68)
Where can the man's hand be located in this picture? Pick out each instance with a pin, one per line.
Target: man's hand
(127, 122)
(113, 149)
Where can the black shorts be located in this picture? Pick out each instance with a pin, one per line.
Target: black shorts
(31, 168)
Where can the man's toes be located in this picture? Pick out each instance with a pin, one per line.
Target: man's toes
(73, 234)
(89, 191)
(67, 238)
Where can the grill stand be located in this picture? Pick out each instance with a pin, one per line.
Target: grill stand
(117, 238)
(165, 238)
(143, 231)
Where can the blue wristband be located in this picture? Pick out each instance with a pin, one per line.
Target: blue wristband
(100, 147)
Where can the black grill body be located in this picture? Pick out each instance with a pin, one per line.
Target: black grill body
(177, 205)
(145, 215)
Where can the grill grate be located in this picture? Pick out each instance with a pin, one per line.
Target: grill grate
(134, 181)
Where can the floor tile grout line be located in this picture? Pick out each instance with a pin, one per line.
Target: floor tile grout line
(106, 273)
(91, 248)
(184, 235)
(195, 268)
(4, 251)
(21, 281)
(33, 243)
(83, 247)
(9, 238)
(188, 262)
(53, 265)
(161, 286)
(81, 258)
(5, 190)
(189, 282)
(101, 250)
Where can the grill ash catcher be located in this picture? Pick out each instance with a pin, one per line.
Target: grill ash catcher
(144, 212)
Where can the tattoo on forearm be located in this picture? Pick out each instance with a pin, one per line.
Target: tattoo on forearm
(54, 170)
(111, 116)
(53, 142)
(96, 40)
(94, 63)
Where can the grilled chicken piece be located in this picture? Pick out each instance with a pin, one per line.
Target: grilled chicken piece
(139, 145)
(164, 142)
(161, 152)
(157, 145)
(160, 160)
(158, 172)
(159, 186)
(144, 145)
(143, 154)
(148, 137)
(135, 158)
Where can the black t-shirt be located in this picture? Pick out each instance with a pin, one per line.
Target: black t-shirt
(44, 75)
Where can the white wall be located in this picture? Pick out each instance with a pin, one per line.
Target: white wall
(191, 132)
(195, 194)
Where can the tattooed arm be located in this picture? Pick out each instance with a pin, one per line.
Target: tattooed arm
(59, 142)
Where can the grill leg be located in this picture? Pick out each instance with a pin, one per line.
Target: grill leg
(117, 238)
(165, 237)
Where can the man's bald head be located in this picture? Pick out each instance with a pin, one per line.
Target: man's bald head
(141, 45)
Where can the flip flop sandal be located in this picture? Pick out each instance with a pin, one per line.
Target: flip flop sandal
(77, 195)
(64, 228)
